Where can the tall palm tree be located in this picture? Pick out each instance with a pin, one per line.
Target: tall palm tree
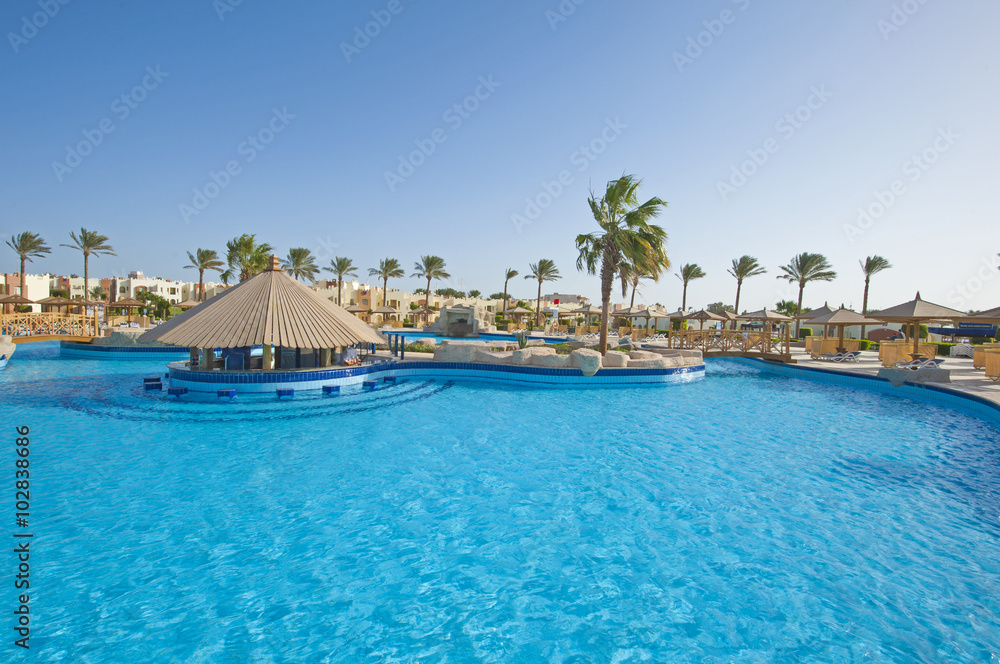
(430, 267)
(246, 258)
(475, 293)
(508, 275)
(90, 243)
(806, 267)
(544, 270)
(871, 266)
(342, 267)
(743, 268)
(97, 293)
(27, 246)
(201, 260)
(300, 264)
(689, 273)
(387, 268)
(631, 277)
(626, 235)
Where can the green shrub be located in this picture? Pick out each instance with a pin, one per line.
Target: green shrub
(805, 332)
(864, 344)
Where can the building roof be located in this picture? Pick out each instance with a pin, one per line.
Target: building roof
(270, 308)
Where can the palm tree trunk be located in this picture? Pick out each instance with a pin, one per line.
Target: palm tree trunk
(684, 298)
(340, 287)
(504, 306)
(86, 275)
(798, 310)
(736, 307)
(864, 304)
(201, 285)
(427, 300)
(385, 290)
(538, 305)
(632, 301)
(22, 276)
(607, 278)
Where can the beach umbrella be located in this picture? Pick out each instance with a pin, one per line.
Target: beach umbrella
(842, 318)
(355, 309)
(384, 311)
(54, 301)
(587, 312)
(128, 304)
(915, 312)
(188, 304)
(704, 315)
(17, 299)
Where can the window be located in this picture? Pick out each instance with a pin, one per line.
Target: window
(122, 289)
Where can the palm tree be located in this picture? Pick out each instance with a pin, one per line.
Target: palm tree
(97, 293)
(626, 235)
(430, 267)
(342, 267)
(872, 265)
(387, 268)
(201, 260)
(743, 268)
(474, 294)
(90, 243)
(544, 270)
(689, 273)
(632, 277)
(804, 268)
(246, 258)
(27, 246)
(300, 264)
(508, 275)
(226, 276)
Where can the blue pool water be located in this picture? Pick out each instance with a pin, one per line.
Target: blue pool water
(746, 517)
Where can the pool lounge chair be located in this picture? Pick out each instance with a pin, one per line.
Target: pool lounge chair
(841, 357)
(916, 365)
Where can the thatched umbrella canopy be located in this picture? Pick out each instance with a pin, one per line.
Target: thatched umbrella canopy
(988, 316)
(54, 301)
(767, 315)
(587, 312)
(915, 312)
(268, 309)
(842, 318)
(704, 315)
(386, 310)
(17, 299)
(355, 309)
(188, 304)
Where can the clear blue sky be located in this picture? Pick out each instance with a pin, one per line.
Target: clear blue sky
(556, 85)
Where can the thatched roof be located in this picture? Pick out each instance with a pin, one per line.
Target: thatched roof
(917, 309)
(270, 308)
(766, 315)
(128, 302)
(843, 316)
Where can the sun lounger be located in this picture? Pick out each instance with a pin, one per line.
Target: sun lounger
(916, 365)
(841, 357)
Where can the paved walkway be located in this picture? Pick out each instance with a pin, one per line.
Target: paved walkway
(963, 377)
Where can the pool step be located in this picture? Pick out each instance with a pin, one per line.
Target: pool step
(229, 393)
(331, 389)
(177, 391)
(369, 385)
(154, 383)
(286, 392)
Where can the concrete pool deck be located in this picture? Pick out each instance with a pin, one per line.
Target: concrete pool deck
(964, 379)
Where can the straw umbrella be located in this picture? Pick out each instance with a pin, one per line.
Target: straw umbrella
(384, 311)
(589, 312)
(842, 318)
(54, 301)
(768, 318)
(810, 316)
(128, 304)
(188, 304)
(704, 315)
(915, 312)
(15, 300)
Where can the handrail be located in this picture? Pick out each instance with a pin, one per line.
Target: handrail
(48, 324)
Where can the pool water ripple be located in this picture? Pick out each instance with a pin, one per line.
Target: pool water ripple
(747, 517)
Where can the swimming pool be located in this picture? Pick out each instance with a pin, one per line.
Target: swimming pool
(745, 517)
